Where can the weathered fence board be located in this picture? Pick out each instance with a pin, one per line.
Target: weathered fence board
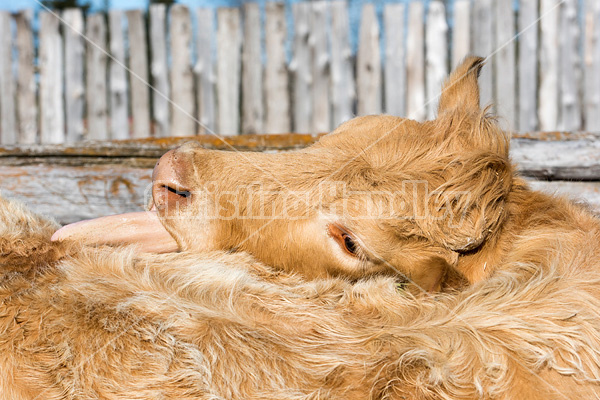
(229, 65)
(549, 58)
(8, 122)
(205, 73)
(483, 45)
(461, 32)
(505, 78)
(113, 177)
(368, 64)
(395, 56)
(553, 81)
(252, 72)
(27, 106)
(96, 78)
(300, 67)
(119, 99)
(592, 66)
(183, 122)
(570, 71)
(74, 74)
(51, 79)
(436, 59)
(415, 63)
(528, 63)
(138, 74)
(319, 49)
(159, 70)
(277, 102)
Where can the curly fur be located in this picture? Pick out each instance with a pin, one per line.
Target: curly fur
(105, 323)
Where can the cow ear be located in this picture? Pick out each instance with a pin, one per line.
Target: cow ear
(461, 90)
(469, 206)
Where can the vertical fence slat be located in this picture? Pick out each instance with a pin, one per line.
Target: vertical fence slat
(138, 76)
(395, 66)
(182, 79)
(343, 91)
(26, 86)
(415, 63)
(159, 70)
(592, 66)
(300, 67)
(96, 78)
(252, 73)
(461, 31)
(119, 118)
(570, 110)
(277, 119)
(483, 45)
(8, 121)
(528, 64)
(436, 57)
(229, 43)
(321, 113)
(205, 73)
(74, 63)
(548, 96)
(51, 80)
(368, 63)
(505, 63)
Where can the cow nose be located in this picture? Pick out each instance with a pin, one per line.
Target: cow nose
(168, 192)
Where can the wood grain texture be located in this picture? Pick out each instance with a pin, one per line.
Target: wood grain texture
(277, 97)
(138, 74)
(505, 77)
(591, 88)
(96, 78)
(252, 71)
(320, 58)
(183, 120)
(528, 28)
(300, 67)
(570, 67)
(205, 71)
(415, 63)
(229, 64)
(159, 70)
(51, 80)
(395, 59)
(461, 31)
(343, 85)
(117, 89)
(436, 57)
(368, 64)
(549, 58)
(74, 74)
(8, 117)
(483, 46)
(27, 105)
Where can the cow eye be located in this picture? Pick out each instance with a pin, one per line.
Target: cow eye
(344, 239)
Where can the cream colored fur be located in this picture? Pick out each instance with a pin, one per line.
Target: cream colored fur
(102, 323)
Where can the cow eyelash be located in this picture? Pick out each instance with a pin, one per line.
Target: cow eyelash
(345, 239)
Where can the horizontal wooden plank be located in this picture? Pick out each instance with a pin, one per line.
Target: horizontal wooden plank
(557, 160)
(70, 194)
(550, 156)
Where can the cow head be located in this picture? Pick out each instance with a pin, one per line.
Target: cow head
(379, 195)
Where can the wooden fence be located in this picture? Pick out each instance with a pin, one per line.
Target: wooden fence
(181, 71)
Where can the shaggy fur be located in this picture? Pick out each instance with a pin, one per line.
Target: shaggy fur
(104, 323)
(83, 322)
